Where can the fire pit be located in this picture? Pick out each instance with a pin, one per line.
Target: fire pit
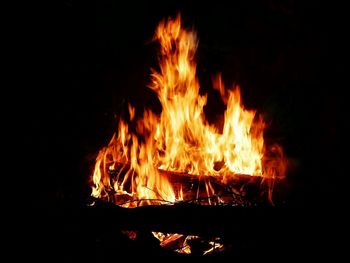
(177, 161)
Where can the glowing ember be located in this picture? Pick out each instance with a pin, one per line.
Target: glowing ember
(137, 165)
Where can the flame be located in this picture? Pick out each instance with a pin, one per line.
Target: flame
(180, 139)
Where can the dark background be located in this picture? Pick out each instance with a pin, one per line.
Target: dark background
(93, 57)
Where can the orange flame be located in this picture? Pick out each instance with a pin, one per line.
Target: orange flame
(180, 139)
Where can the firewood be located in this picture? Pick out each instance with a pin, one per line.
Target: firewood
(253, 188)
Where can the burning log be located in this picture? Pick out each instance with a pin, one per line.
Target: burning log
(246, 189)
(250, 187)
(201, 195)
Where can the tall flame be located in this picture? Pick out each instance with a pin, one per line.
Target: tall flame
(180, 139)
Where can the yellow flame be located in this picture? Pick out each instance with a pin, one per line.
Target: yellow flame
(180, 139)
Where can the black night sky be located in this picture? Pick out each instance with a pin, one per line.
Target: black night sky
(96, 57)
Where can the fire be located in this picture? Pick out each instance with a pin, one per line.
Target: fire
(180, 139)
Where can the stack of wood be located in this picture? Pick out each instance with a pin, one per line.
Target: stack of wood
(235, 190)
